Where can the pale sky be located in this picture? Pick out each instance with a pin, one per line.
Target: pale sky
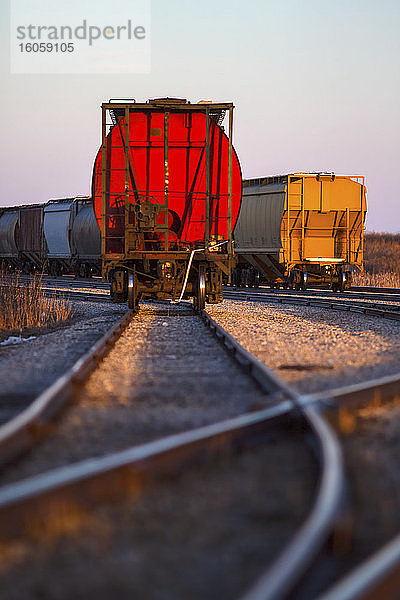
(316, 85)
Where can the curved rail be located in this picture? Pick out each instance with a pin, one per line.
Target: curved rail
(29, 504)
(283, 575)
(31, 501)
(380, 575)
(76, 487)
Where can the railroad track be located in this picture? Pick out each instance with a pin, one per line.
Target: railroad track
(327, 301)
(90, 290)
(25, 506)
(24, 431)
(80, 295)
(378, 575)
(380, 302)
(69, 282)
(356, 292)
(383, 302)
(364, 293)
(365, 574)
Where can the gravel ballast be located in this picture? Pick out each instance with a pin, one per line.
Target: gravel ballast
(313, 349)
(166, 374)
(27, 369)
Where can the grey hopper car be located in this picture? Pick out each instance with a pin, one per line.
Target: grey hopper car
(61, 236)
(300, 228)
(8, 235)
(22, 244)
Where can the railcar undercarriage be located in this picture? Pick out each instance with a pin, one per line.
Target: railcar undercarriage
(169, 276)
(299, 277)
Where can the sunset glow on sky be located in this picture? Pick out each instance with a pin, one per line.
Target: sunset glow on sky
(316, 85)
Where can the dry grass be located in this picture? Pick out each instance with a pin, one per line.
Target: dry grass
(382, 252)
(377, 279)
(23, 306)
(381, 261)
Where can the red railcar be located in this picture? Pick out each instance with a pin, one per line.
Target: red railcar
(167, 192)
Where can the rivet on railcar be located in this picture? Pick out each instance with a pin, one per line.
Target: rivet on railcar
(300, 229)
(167, 190)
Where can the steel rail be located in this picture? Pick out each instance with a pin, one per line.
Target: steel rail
(387, 312)
(374, 290)
(354, 289)
(28, 505)
(32, 504)
(77, 285)
(64, 281)
(287, 569)
(83, 295)
(350, 294)
(75, 294)
(380, 575)
(362, 298)
(280, 579)
(24, 430)
(372, 392)
(377, 577)
(265, 377)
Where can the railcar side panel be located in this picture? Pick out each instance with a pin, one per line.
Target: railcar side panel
(258, 228)
(57, 228)
(85, 234)
(8, 234)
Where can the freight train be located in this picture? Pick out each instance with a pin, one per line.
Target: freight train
(166, 217)
(300, 229)
(58, 237)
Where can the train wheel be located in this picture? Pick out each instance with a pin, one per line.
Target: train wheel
(342, 281)
(118, 287)
(303, 280)
(200, 298)
(132, 291)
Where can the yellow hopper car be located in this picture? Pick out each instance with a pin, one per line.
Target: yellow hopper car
(300, 229)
